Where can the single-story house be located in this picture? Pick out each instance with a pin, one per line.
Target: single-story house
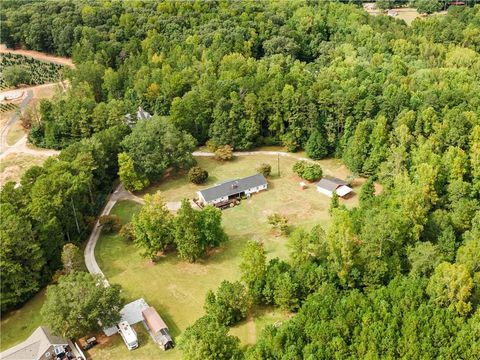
(233, 189)
(158, 329)
(328, 185)
(41, 345)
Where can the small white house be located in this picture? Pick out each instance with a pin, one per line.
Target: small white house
(328, 185)
(233, 189)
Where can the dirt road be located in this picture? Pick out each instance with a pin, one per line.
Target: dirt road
(39, 56)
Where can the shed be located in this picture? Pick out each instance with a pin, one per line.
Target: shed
(328, 185)
(158, 329)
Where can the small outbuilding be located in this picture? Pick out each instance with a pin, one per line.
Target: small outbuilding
(328, 185)
(158, 329)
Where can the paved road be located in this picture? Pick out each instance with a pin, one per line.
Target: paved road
(13, 120)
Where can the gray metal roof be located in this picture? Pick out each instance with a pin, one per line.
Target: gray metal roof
(330, 183)
(233, 187)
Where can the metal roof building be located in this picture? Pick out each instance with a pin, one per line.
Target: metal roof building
(233, 188)
(328, 185)
(158, 329)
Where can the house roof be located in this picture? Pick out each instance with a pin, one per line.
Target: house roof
(154, 321)
(232, 187)
(142, 114)
(331, 183)
(34, 347)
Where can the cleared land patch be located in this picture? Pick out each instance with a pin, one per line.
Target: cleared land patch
(13, 166)
(177, 289)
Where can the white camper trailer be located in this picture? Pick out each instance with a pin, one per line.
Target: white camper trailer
(129, 335)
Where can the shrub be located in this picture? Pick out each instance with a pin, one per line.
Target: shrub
(197, 175)
(278, 222)
(16, 75)
(127, 232)
(224, 153)
(109, 223)
(264, 169)
(309, 172)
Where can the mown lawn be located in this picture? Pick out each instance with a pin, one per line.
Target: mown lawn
(177, 289)
(17, 325)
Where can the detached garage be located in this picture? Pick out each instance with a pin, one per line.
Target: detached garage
(328, 185)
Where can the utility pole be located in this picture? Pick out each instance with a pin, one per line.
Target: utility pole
(278, 164)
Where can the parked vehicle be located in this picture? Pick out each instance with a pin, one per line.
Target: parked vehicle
(129, 335)
(90, 342)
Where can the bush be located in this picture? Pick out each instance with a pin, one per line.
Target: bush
(264, 169)
(127, 232)
(224, 153)
(109, 223)
(279, 222)
(309, 172)
(197, 175)
(16, 75)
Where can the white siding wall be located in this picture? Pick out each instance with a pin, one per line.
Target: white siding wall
(324, 191)
(225, 198)
(256, 189)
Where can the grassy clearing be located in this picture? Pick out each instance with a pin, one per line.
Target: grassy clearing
(17, 325)
(5, 117)
(13, 166)
(177, 289)
(15, 133)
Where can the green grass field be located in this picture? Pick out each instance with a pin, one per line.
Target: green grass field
(17, 325)
(177, 289)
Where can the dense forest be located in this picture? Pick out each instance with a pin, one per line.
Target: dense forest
(397, 277)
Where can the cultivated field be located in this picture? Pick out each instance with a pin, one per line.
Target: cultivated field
(177, 289)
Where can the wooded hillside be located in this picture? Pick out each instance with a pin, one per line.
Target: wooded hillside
(397, 277)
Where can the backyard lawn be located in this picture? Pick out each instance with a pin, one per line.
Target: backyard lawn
(17, 325)
(177, 289)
